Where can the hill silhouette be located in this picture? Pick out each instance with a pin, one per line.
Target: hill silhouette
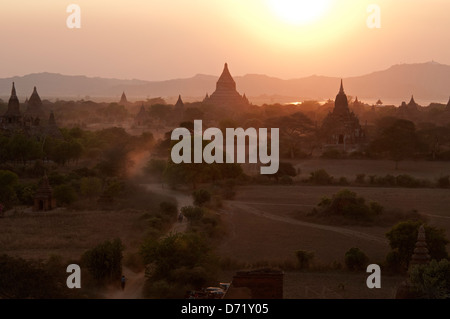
(427, 81)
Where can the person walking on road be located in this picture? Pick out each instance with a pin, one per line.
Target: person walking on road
(122, 282)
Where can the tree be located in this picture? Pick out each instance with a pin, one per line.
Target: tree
(294, 129)
(403, 237)
(349, 205)
(356, 259)
(304, 258)
(179, 259)
(399, 141)
(30, 279)
(105, 261)
(90, 186)
(8, 182)
(64, 194)
(201, 197)
(431, 281)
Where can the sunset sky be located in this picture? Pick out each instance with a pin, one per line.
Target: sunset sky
(166, 39)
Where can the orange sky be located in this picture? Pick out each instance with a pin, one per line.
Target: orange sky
(165, 39)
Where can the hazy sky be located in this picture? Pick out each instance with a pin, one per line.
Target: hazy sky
(165, 39)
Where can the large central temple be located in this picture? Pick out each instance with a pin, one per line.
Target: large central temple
(226, 94)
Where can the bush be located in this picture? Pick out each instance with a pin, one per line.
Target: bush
(408, 181)
(30, 279)
(343, 181)
(356, 260)
(304, 258)
(360, 178)
(192, 213)
(333, 154)
(349, 205)
(443, 182)
(201, 197)
(320, 177)
(286, 180)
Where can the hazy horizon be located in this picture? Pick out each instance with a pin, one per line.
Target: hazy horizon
(160, 40)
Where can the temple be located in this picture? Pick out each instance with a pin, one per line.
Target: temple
(13, 117)
(421, 254)
(179, 105)
(123, 100)
(142, 118)
(44, 200)
(35, 108)
(341, 126)
(226, 94)
(29, 122)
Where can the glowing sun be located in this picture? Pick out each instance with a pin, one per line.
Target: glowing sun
(299, 11)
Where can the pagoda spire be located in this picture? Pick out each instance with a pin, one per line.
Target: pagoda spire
(341, 90)
(13, 104)
(226, 81)
(341, 101)
(179, 102)
(13, 91)
(421, 253)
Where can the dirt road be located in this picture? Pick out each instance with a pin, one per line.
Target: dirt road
(135, 281)
(343, 231)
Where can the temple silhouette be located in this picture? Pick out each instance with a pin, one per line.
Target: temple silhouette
(226, 94)
(32, 122)
(341, 127)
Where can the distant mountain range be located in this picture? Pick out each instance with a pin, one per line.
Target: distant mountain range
(427, 81)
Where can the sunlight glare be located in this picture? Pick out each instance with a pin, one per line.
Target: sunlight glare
(299, 12)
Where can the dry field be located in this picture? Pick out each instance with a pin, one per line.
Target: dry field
(350, 168)
(262, 226)
(67, 233)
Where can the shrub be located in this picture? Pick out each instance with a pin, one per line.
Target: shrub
(320, 177)
(356, 260)
(360, 178)
(443, 182)
(304, 258)
(343, 181)
(286, 180)
(333, 154)
(407, 181)
(349, 205)
(201, 197)
(192, 213)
